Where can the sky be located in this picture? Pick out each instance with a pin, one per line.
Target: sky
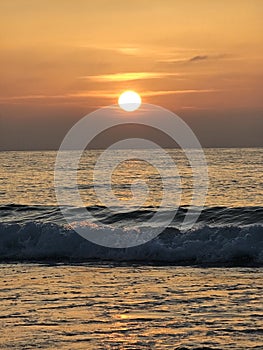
(62, 59)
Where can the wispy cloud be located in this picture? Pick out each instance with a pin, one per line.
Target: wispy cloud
(129, 50)
(114, 94)
(196, 58)
(119, 77)
(196, 108)
(125, 50)
(176, 92)
(98, 94)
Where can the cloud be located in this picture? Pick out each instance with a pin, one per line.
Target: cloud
(114, 94)
(119, 77)
(211, 57)
(198, 58)
(97, 94)
(124, 50)
(128, 50)
(176, 92)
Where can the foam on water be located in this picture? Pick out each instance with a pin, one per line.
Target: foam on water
(218, 245)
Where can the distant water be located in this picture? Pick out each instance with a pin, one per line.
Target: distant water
(235, 177)
(200, 289)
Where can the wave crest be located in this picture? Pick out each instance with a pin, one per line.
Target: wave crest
(222, 245)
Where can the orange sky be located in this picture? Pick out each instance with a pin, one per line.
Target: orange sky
(65, 57)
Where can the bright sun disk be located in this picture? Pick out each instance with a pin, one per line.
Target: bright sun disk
(129, 101)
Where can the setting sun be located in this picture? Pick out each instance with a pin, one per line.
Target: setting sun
(129, 101)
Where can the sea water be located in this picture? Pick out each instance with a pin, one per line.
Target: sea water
(199, 289)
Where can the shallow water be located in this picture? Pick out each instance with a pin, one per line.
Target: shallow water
(130, 307)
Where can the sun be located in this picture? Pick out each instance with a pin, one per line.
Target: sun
(129, 101)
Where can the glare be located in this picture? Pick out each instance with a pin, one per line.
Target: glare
(129, 101)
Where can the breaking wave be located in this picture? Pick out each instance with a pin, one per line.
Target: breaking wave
(226, 245)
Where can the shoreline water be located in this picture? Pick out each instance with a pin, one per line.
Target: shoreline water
(128, 307)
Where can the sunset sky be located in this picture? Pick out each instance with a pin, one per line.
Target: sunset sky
(61, 59)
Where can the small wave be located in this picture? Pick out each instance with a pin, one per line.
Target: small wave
(217, 246)
(15, 213)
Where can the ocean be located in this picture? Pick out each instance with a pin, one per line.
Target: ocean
(184, 289)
